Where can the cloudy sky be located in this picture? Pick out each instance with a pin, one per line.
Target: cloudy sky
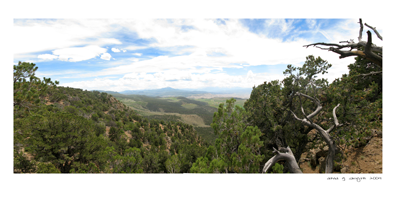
(191, 53)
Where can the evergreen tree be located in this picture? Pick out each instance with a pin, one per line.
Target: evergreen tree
(27, 93)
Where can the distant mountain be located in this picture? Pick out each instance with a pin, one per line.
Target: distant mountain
(108, 92)
(164, 92)
(218, 90)
(193, 93)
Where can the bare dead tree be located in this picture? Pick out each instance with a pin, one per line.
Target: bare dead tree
(307, 120)
(362, 48)
(286, 153)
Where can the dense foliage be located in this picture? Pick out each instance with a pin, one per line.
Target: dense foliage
(268, 115)
(70, 130)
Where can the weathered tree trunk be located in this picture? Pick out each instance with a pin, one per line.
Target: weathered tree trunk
(324, 133)
(287, 155)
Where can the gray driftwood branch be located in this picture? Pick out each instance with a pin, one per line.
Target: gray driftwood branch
(288, 156)
(376, 32)
(361, 30)
(369, 74)
(324, 133)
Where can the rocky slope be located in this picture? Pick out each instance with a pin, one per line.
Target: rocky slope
(364, 159)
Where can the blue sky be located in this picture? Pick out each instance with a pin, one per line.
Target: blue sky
(133, 54)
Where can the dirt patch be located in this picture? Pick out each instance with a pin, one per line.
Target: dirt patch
(169, 142)
(50, 103)
(128, 135)
(107, 130)
(147, 146)
(28, 156)
(367, 159)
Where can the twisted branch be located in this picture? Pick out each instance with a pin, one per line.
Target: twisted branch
(288, 156)
(369, 74)
(324, 133)
(335, 120)
(371, 55)
(376, 32)
(315, 100)
(361, 29)
(368, 51)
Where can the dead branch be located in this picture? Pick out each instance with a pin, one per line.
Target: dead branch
(376, 32)
(324, 133)
(335, 120)
(368, 74)
(361, 29)
(315, 100)
(371, 55)
(288, 156)
(362, 48)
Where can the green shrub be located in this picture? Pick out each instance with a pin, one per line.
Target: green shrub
(71, 109)
(277, 168)
(95, 117)
(47, 168)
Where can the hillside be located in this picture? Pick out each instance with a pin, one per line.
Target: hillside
(72, 130)
(360, 159)
(196, 113)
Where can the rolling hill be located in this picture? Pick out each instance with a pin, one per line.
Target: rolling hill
(189, 93)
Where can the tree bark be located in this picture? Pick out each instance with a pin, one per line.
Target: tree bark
(324, 133)
(288, 156)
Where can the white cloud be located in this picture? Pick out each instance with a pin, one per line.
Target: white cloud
(237, 43)
(35, 36)
(75, 54)
(105, 41)
(198, 51)
(47, 57)
(115, 50)
(134, 48)
(311, 23)
(106, 56)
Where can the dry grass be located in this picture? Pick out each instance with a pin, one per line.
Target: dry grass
(189, 105)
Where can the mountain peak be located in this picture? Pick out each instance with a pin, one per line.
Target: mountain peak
(168, 88)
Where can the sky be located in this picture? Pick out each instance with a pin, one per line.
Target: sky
(119, 54)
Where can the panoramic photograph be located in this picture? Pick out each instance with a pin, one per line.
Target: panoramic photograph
(197, 95)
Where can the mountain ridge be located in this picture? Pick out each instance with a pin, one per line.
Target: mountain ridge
(171, 92)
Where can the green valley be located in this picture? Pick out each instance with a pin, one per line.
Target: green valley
(196, 112)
